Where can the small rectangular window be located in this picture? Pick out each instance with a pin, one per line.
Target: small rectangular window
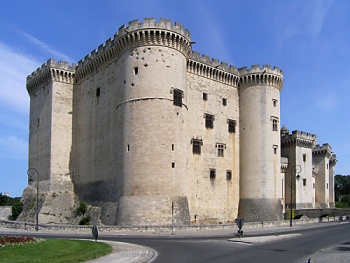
(274, 123)
(177, 97)
(209, 121)
(172, 165)
(304, 157)
(275, 147)
(224, 101)
(136, 70)
(196, 146)
(172, 147)
(205, 96)
(212, 174)
(231, 126)
(221, 148)
(98, 92)
(304, 182)
(228, 175)
(274, 102)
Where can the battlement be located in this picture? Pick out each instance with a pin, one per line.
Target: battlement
(213, 69)
(215, 63)
(51, 63)
(267, 75)
(136, 34)
(300, 135)
(298, 139)
(151, 23)
(256, 69)
(324, 149)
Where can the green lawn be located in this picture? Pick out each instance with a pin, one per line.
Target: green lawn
(54, 251)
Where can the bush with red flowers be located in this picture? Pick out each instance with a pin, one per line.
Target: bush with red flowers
(13, 241)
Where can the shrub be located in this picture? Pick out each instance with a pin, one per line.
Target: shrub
(16, 210)
(85, 220)
(82, 208)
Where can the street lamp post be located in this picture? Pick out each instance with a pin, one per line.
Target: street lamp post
(31, 173)
(296, 169)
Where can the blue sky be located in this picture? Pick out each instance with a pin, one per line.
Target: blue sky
(308, 40)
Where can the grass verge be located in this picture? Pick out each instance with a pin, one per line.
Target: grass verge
(54, 251)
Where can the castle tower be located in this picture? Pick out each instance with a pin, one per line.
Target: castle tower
(297, 147)
(50, 138)
(260, 182)
(322, 156)
(152, 142)
(332, 164)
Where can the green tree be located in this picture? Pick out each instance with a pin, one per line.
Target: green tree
(82, 208)
(16, 210)
(342, 191)
(3, 199)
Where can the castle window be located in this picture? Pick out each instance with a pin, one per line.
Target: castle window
(196, 146)
(327, 185)
(98, 92)
(128, 148)
(221, 148)
(212, 174)
(205, 96)
(231, 126)
(172, 147)
(177, 97)
(304, 182)
(274, 102)
(304, 157)
(313, 185)
(224, 101)
(228, 175)
(209, 121)
(274, 123)
(275, 147)
(172, 165)
(136, 70)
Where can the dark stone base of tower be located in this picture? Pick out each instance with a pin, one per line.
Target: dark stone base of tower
(257, 210)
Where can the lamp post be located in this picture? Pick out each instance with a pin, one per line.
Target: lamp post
(31, 173)
(296, 169)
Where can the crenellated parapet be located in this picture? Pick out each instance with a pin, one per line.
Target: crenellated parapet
(136, 34)
(50, 71)
(322, 150)
(212, 69)
(333, 160)
(256, 75)
(299, 139)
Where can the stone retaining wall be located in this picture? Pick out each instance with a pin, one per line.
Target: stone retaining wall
(248, 225)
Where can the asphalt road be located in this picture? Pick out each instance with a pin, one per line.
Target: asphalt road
(219, 249)
(212, 248)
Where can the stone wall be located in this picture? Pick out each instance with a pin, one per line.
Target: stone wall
(5, 211)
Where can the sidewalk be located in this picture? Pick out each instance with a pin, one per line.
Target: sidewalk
(125, 252)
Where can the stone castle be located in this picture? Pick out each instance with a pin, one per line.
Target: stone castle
(148, 131)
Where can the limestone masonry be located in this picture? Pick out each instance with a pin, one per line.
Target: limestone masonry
(147, 131)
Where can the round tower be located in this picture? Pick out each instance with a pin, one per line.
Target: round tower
(260, 176)
(152, 116)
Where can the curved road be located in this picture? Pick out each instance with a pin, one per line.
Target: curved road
(306, 241)
(219, 249)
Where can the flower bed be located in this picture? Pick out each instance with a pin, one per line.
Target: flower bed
(13, 241)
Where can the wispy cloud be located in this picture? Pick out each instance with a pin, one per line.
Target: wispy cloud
(14, 68)
(45, 47)
(306, 20)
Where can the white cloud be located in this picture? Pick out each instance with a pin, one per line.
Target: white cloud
(14, 68)
(46, 48)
